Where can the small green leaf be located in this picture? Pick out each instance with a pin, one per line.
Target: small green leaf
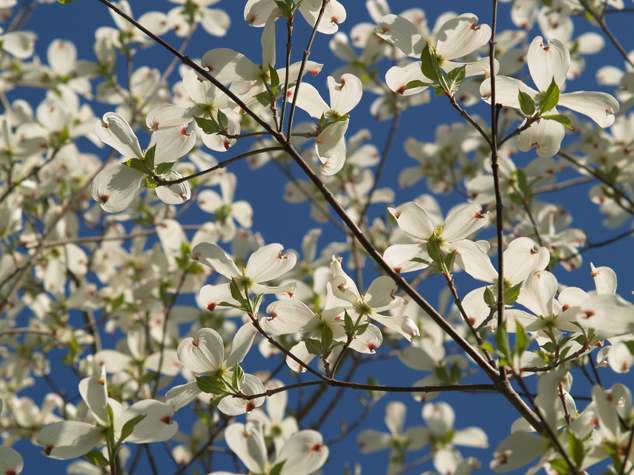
(487, 346)
(128, 427)
(264, 98)
(321, 122)
(326, 338)
(450, 260)
(522, 183)
(277, 469)
(489, 298)
(429, 64)
(348, 324)
(455, 78)
(433, 249)
(511, 295)
(550, 99)
(210, 385)
(562, 119)
(313, 346)
(414, 84)
(95, 457)
(275, 78)
(149, 157)
(165, 168)
(560, 466)
(362, 328)
(237, 379)
(527, 104)
(422, 261)
(66, 2)
(223, 121)
(455, 374)
(139, 165)
(235, 292)
(521, 340)
(502, 341)
(208, 126)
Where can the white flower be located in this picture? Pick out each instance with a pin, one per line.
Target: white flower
(548, 62)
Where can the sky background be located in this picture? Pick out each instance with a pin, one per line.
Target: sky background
(278, 221)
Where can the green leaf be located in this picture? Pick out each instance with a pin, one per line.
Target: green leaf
(560, 465)
(438, 91)
(502, 341)
(362, 328)
(550, 99)
(165, 168)
(264, 98)
(348, 324)
(455, 78)
(521, 340)
(487, 346)
(149, 157)
(313, 346)
(522, 183)
(128, 427)
(208, 126)
(235, 292)
(321, 122)
(562, 119)
(275, 79)
(422, 261)
(527, 104)
(139, 165)
(433, 249)
(429, 64)
(210, 385)
(223, 121)
(237, 380)
(277, 469)
(326, 338)
(630, 346)
(489, 298)
(450, 260)
(511, 295)
(150, 182)
(66, 2)
(455, 374)
(414, 84)
(95, 457)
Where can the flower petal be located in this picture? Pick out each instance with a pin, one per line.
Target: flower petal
(599, 106)
(203, 353)
(116, 132)
(70, 439)
(268, 263)
(413, 220)
(116, 186)
(546, 62)
(213, 256)
(461, 36)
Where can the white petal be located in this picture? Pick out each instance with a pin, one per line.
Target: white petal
(367, 343)
(401, 324)
(460, 36)
(247, 442)
(522, 257)
(380, 295)
(213, 256)
(399, 257)
(61, 56)
(157, 425)
(181, 396)
(174, 194)
(116, 132)
(227, 65)
(599, 106)
(395, 415)
(475, 261)
(169, 115)
(463, 221)
(172, 143)
(398, 77)
(212, 295)
(10, 461)
(538, 293)
(546, 135)
(242, 341)
(95, 392)
(116, 186)
(372, 441)
(334, 14)
(604, 279)
(234, 406)
(70, 439)
(257, 12)
(518, 450)
(401, 33)
(303, 453)
(287, 316)
(346, 95)
(331, 148)
(310, 101)
(215, 21)
(203, 353)
(546, 62)
(268, 263)
(610, 314)
(506, 91)
(413, 220)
